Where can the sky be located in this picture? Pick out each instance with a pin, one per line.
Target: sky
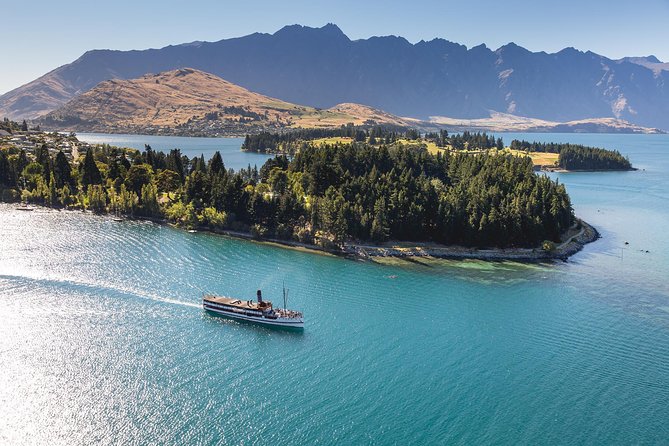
(41, 35)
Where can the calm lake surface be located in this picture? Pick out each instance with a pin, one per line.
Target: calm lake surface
(229, 147)
(103, 340)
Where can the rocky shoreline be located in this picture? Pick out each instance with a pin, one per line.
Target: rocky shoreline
(570, 246)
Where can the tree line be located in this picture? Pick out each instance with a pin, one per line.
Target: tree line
(293, 140)
(465, 140)
(592, 158)
(11, 126)
(577, 156)
(329, 195)
(290, 141)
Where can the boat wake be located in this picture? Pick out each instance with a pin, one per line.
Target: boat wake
(18, 281)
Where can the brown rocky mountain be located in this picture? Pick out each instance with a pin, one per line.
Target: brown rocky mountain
(190, 101)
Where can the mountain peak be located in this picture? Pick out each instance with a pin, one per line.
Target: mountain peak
(652, 59)
(479, 47)
(569, 50)
(329, 30)
(511, 48)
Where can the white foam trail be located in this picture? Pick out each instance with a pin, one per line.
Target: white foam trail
(81, 283)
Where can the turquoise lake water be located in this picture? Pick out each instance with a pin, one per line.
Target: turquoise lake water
(229, 147)
(103, 340)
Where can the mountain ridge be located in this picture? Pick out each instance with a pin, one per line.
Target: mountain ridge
(322, 67)
(191, 101)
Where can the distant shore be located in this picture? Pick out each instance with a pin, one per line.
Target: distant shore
(253, 130)
(561, 170)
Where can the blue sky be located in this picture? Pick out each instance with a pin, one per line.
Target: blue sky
(43, 34)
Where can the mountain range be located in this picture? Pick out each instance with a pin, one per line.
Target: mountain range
(322, 67)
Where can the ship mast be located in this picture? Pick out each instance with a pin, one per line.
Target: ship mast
(285, 295)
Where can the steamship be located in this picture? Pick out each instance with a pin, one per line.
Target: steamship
(260, 311)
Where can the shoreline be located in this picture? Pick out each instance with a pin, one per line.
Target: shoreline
(425, 250)
(561, 170)
(255, 130)
(572, 244)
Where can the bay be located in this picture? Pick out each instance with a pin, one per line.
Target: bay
(103, 340)
(230, 148)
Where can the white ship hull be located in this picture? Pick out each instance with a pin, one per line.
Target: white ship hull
(251, 317)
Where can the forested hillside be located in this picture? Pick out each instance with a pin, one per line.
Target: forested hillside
(327, 194)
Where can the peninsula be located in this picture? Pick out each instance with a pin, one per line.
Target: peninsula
(339, 197)
(544, 156)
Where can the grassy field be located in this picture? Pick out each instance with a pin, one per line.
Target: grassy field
(333, 140)
(538, 158)
(431, 146)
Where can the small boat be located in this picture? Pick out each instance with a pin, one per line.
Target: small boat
(24, 208)
(118, 219)
(260, 311)
(192, 231)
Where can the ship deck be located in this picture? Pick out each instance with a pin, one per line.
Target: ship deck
(237, 303)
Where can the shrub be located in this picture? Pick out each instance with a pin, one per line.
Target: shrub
(181, 214)
(213, 218)
(548, 246)
(10, 195)
(258, 231)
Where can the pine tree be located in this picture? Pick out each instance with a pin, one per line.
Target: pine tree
(175, 163)
(380, 227)
(199, 165)
(52, 199)
(42, 157)
(90, 174)
(62, 171)
(5, 174)
(216, 165)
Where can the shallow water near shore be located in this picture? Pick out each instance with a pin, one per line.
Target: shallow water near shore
(103, 339)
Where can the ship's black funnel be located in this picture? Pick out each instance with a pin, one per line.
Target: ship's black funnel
(259, 296)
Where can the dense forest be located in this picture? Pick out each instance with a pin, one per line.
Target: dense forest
(576, 156)
(291, 141)
(465, 140)
(327, 195)
(592, 158)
